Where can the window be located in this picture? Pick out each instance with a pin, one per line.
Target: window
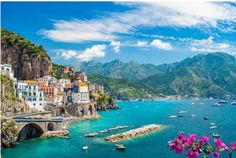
(34, 104)
(40, 104)
(34, 99)
(29, 93)
(40, 99)
(34, 94)
(29, 99)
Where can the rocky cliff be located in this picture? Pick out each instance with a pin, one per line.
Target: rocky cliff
(28, 60)
(10, 105)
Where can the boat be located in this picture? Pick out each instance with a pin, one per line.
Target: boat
(91, 135)
(180, 115)
(104, 131)
(212, 124)
(213, 127)
(217, 136)
(85, 147)
(172, 116)
(216, 105)
(120, 147)
(182, 112)
(205, 118)
(233, 103)
(222, 102)
(117, 128)
(193, 115)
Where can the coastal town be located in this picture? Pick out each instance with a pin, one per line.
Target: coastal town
(54, 102)
(48, 92)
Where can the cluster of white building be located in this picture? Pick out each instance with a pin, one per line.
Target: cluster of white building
(48, 90)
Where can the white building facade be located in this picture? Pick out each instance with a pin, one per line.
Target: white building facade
(6, 69)
(30, 92)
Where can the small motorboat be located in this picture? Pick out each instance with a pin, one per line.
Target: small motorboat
(120, 147)
(216, 105)
(212, 124)
(205, 118)
(104, 131)
(222, 102)
(213, 127)
(180, 115)
(91, 135)
(85, 147)
(217, 136)
(233, 103)
(172, 116)
(182, 112)
(193, 115)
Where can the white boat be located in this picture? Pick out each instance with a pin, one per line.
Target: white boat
(193, 115)
(85, 147)
(182, 112)
(91, 135)
(216, 104)
(172, 116)
(213, 127)
(120, 147)
(217, 136)
(104, 131)
(212, 124)
(233, 103)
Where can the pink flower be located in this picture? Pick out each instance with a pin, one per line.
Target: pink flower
(233, 145)
(216, 155)
(220, 144)
(192, 137)
(179, 149)
(181, 136)
(192, 154)
(204, 139)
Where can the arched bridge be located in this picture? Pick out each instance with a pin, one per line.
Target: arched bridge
(30, 127)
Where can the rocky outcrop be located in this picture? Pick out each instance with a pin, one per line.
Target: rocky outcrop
(28, 60)
(103, 101)
(61, 134)
(133, 133)
(8, 132)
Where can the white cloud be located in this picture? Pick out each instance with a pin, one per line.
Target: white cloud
(116, 46)
(161, 45)
(142, 43)
(209, 45)
(160, 14)
(66, 54)
(96, 51)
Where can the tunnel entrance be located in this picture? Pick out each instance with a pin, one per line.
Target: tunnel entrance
(29, 131)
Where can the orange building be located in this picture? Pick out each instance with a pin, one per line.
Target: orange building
(49, 90)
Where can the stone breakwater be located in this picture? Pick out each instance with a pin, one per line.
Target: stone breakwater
(62, 134)
(134, 133)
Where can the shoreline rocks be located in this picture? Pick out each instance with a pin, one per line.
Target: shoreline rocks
(134, 133)
(61, 134)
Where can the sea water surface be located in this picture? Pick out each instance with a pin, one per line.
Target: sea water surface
(134, 114)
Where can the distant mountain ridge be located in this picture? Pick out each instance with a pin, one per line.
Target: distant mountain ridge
(117, 69)
(210, 75)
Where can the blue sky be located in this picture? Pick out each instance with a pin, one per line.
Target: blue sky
(157, 33)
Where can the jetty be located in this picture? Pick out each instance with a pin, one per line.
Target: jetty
(134, 133)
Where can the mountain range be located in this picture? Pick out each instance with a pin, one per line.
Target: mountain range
(204, 76)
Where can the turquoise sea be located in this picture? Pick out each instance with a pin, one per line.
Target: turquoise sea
(134, 114)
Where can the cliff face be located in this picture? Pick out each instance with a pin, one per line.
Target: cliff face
(28, 60)
(10, 105)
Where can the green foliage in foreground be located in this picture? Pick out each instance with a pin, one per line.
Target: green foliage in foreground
(9, 38)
